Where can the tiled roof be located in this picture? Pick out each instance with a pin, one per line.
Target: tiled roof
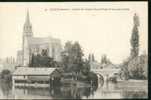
(43, 40)
(33, 71)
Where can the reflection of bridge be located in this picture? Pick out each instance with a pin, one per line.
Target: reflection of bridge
(105, 73)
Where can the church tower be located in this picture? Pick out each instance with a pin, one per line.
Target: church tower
(27, 31)
(27, 34)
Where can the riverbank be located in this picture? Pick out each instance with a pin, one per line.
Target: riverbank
(132, 84)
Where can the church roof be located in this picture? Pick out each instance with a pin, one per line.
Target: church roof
(43, 40)
(38, 40)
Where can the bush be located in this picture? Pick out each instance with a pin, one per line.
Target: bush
(92, 77)
(6, 74)
(124, 74)
(137, 67)
(113, 79)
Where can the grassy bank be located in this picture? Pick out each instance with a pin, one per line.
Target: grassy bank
(138, 85)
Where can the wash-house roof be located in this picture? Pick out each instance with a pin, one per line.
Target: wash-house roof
(20, 71)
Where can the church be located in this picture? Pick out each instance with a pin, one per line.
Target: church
(35, 45)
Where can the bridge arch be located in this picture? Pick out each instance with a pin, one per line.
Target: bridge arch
(100, 79)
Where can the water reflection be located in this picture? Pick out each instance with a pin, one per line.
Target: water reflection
(6, 88)
(108, 90)
(73, 92)
(134, 94)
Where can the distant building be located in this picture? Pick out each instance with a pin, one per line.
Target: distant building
(108, 66)
(1, 67)
(35, 45)
(10, 60)
(8, 63)
(19, 58)
(94, 65)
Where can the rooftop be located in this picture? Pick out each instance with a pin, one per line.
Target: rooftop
(43, 40)
(33, 71)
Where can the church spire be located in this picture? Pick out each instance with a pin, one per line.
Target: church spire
(27, 17)
(27, 26)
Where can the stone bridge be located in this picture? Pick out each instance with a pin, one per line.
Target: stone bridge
(105, 73)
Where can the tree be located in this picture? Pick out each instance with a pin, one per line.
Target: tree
(135, 37)
(89, 58)
(72, 57)
(67, 56)
(93, 59)
(105, 60)
(6, 74)
(77, 55)
(124, 70)
(137, 67)
(86, 67)
(42, 60)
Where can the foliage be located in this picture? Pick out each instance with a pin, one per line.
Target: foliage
(43, 60)
(105, 60)
(92, 77)
(73, 62)
(135, 38)
(86, 67)
(124, 70)
(66, 56)
(137, 67)
(77, 55)
(91, 58)
(113, 79)
(72, 57)
(6, 74)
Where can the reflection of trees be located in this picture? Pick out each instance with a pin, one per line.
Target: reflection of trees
(71, 92)
(36, 91)
(5, 87)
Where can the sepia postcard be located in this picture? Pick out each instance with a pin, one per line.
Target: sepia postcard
(74, 50)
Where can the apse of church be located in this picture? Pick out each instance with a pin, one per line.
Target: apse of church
(35, 45)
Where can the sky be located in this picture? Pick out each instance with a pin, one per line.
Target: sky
(100, 27)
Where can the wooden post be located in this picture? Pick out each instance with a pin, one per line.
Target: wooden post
(107, 77)
(49, 81)
(52, 80)
(24, 78)
(13, 83)
(91, 82)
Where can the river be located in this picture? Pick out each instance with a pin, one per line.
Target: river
(122, 89)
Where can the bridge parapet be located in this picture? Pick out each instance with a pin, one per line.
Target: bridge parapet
(106, 72)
